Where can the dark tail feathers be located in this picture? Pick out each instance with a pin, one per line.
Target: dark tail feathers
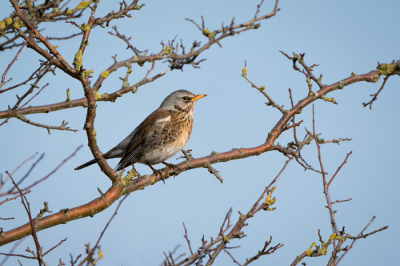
(86, 164)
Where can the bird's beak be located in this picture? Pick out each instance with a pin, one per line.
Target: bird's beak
(199, 97)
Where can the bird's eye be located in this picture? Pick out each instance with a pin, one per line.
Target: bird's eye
(185, 98)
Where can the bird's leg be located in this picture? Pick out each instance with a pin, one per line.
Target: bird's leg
(170, 165)
(156, 172)
(133, 168)
(123, 167)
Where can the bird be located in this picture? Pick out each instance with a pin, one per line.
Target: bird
(159, 137)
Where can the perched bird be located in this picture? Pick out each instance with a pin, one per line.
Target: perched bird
(160, 136)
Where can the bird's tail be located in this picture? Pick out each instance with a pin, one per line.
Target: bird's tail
(86, 164)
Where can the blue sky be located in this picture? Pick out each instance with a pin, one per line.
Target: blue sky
(341, 36)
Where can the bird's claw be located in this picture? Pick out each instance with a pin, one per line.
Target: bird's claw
(158, 172)
(172, 166)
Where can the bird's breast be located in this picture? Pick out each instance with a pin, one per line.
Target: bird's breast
(167, 140)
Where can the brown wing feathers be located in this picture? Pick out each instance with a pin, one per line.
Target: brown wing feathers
(128, 157)
(145, 130)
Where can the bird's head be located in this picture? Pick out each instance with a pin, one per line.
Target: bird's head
(181, 100)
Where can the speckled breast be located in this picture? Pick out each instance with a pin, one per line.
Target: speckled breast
(168, 140)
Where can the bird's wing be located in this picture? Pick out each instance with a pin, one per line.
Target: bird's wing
(144, 131)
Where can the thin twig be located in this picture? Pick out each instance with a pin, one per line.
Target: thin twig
(13, 198)
(293, 119)
(27, 173)
(44, 254)
(339, 201)
(340, 167)
(11, 63)
(354, 240)
(187, 239)
(268, 187)
(16, 169)
(11, 251)
(375, 95)
(235, 261)
(26, 205)
(55, 170)
(5, 121)
(325, 185)
(102, 233)
(270, 101)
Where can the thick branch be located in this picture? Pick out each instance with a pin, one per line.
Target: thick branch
(65, 215)
(114, 193)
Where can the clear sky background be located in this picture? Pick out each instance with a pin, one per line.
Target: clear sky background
(341, 36)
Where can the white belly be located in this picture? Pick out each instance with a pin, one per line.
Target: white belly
(162, 154)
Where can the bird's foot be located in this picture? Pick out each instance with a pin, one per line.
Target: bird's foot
(133, 173)
(170, 165)
(157, 172)
(134, 170)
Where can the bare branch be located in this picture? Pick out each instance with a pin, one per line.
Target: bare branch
(235, 261)
(187, 239)
(325, 185)
(47, 252)
(340, 167)
(25, 203)
(3, 77)
(13, 198)
(90, 254)
(339, 201)
(2, 263)
(262, 90)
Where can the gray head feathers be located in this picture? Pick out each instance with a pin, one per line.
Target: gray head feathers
(181, 99)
